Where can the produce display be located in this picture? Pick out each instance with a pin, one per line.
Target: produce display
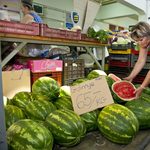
(45, 116)
(65, 90)
(46, 88)
(118, 124)
(67, 127)
(27, 134)
(114, 77)
(142, 111)
(123, 91)
(6, 101)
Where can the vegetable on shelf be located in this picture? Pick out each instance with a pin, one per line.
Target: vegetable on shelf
(101, 34)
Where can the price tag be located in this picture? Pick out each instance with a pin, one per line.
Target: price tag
(90, 95)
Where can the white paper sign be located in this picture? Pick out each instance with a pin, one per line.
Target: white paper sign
(90, 95)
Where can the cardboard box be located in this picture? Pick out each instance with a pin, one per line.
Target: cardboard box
(15, 81)
(45, 65)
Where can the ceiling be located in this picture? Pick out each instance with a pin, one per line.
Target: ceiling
(105, 2)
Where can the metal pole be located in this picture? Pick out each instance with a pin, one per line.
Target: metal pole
(3, 139)
(95, 60)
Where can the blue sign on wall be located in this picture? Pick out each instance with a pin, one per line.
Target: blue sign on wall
(69, 25)
(75, 17)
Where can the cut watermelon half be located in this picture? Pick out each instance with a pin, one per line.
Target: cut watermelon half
(114, 77)
(123, 91)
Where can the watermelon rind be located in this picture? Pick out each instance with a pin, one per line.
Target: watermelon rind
(81, 80)
(125, 92)
(141, 109)
(46, 88)
(7, 101)
(38, 110)
(65, 91)
(67, 127)
(26, 134)
(12, 115)
(113, 76)
(63, 102)
(118, 124)
(23, 98)
(90, 119)
(95, 74)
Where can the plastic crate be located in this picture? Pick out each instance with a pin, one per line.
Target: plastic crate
(146, 66)
(73, 69)
(137, 52)
(19, 28)
(128, 51)
(122, 46)
(119, 63)
(120, 70)
(84, 37)
(138, 79)
(68, 82)
(46, 31)
(120, 57)
(135, 57)
(56, 75)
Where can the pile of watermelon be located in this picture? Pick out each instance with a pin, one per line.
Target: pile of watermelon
(45, 116)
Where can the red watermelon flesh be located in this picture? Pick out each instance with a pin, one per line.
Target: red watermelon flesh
(124, 90)
(114, 77)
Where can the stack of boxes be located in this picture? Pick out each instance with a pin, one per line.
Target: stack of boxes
(141, 76)
(120, 59)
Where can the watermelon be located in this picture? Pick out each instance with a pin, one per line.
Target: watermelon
(122, 91)
(118, 124)
(12, 115)
(63, 102)
(21, 99)
(110, 81)
(146, 91)
(67, 127)
(81, 80)
(114, 77)
(46, 88)
(144, 97)
(28, 135)
(65, 91)
(7, 101)
(90, 119)
(38, 110)
(95, 74)
(141, 109)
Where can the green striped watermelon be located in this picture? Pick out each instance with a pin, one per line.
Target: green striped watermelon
(46, 88)
(12, 115)
(90, 119)
(122, 91)
(28, 135)
(65, 91)
(67, 127)
(81, 80)
(144, 97)
(96, 73)
(118, 124)
(21, 99)
(7, 101)
(110, 81)
(63, 102)
(146, 91)
(141, 109)
(38, 110)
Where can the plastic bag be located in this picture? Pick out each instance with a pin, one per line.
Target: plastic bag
(4, 15)
(34, 50)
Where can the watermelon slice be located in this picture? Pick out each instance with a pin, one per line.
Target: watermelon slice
(123, 91)
(114, 77)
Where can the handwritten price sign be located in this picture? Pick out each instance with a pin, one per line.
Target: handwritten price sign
(90, 95)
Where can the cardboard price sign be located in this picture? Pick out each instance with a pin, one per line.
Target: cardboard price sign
(90, 95)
